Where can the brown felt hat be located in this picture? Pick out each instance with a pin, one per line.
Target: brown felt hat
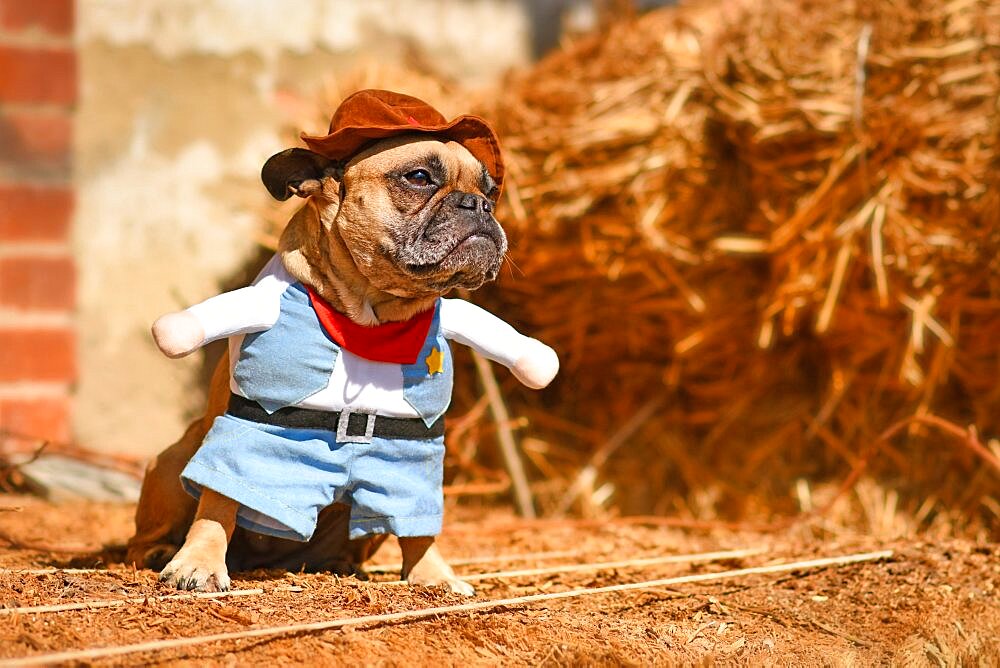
(371, 114)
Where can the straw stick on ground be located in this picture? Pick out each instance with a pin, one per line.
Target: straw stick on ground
(623, 563)
(485, 559)
(113, 603)
(505, 435)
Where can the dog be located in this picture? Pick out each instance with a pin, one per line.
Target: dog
(324, 430)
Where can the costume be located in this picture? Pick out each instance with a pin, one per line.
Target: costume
(284, 359)
(322, 408)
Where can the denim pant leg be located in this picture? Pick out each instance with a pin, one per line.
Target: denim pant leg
(281, 477)
(396, 487)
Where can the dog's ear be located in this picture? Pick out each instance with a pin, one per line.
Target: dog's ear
(296, 171)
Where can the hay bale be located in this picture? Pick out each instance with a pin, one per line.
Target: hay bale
(873, 138)
(785, 219)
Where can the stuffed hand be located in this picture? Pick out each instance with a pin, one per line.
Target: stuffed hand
(537, 366)
(178, 334)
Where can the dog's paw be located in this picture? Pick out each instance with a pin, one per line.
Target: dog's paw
(461, 587)
(451, 582)
(194, 574)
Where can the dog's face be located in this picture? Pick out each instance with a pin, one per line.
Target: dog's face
(416, 214)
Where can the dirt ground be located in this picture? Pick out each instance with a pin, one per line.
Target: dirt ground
(929, 604)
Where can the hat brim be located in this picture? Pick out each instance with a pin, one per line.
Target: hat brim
(472, 132)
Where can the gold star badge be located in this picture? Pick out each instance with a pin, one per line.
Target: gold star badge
(435, 362)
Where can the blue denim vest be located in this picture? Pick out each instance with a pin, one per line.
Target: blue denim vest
(294, 359)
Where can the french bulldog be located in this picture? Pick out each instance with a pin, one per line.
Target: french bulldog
(380, 239)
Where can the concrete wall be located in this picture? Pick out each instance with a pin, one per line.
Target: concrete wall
(180, 102)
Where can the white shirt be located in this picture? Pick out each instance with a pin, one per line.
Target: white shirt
(356, 383)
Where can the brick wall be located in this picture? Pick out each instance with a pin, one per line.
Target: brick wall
(37, 271)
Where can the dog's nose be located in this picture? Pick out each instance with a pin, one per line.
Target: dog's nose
(472, 202)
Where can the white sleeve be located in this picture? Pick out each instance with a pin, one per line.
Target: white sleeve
(250, 309)
(482, 331)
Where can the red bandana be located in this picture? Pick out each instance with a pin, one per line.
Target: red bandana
(396, 342)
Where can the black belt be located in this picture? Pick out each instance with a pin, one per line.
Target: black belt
(356, 428)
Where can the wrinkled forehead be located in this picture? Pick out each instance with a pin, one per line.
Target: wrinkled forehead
(448, 160)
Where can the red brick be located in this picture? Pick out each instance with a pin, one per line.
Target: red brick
(53, 16)
(37, 283)
(34, 213)
(37, 75)
(37, 355)
(36, 142)
(44, 418)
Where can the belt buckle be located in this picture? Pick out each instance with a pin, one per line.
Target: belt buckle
(343, 423)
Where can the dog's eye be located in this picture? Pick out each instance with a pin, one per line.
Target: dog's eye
(419, 178)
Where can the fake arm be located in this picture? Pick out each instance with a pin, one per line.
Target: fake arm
(531, 361)
(250, 309)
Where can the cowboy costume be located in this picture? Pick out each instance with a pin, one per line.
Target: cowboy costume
(324, 410)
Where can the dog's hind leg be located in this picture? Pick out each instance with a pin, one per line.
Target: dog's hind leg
(200, 564)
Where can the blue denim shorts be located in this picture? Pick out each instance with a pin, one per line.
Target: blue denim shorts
(283, 477)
